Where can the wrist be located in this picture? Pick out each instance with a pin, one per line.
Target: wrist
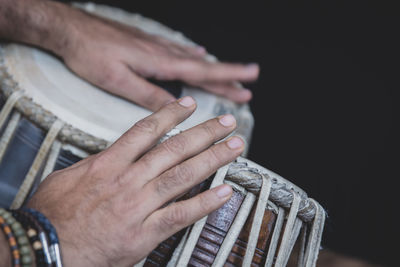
(40, 23)
(5, 255)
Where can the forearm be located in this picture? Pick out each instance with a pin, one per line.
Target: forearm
(5, 255)
(35, 22)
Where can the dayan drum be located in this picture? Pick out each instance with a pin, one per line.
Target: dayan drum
(51, 119)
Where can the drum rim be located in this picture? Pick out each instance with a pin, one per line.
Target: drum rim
(248, 175)
(45, 118)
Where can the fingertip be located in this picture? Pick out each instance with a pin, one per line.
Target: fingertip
(227, 120)
(224, 191)
(235, 143)
(245, 95)
(201, 50)
(254, 67)
(187, 101)
(253, 70)
(240, 96)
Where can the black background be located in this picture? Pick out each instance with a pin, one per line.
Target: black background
(325, 106)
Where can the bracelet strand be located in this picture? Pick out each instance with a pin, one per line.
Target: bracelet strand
(54, 247)
(37, 237)
(11, 241)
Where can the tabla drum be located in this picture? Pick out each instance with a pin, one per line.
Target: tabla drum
(51, 118)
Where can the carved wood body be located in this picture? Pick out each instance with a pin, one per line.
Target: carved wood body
(213, 234)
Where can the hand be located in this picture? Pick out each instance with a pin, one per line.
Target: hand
(109, 209)
(118, 58)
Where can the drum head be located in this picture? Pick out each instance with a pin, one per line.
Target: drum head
(51, 85)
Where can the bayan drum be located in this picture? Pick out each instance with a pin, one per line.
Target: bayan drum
(51, 118)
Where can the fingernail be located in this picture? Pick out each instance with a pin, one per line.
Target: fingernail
(246, 93)
(186, 101)
(200, 49)
(224, 191)
(235, 142)
(227, 120)
(252, 66)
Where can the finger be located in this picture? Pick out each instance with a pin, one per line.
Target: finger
(194, 71)
(147, 132)
(146, 94)
(186, 175)
(229, 90)
(182, 146)
(121, 81)
(193, 50)
(169, 220)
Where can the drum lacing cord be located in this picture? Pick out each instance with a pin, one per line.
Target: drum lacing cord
(257, 220)
(289, 234)
(189, 244)
(9, 133)
(37, 163)
(234, 230)
(51, 160)
(9, 105)
(275, 237)
(13, 123)
(314, 239)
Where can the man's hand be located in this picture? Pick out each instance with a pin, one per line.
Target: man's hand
(119, 58)
(109, 209)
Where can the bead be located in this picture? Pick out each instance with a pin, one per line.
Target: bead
(25, 250)
(15, 226)
(19, 232)
(13, 242)
(31, 232)
(7, 230)
(23, 240)
(37, 245)
(6, 215)
(10, 220)
(16, 254)
(26, 259)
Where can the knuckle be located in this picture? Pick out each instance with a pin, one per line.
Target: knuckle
(214, 157)
(205, 203)
(145, 126)
(176, 216)
(164, 184)
(110, 78)
(98, 162)
(210, 131)
(164, 70)
(178, 176)
(184, 173)
(147, 161)
(175, 145)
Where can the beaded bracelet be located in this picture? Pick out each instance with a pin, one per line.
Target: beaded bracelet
(54, 248)
(37, 237)
(11, 241)
(21, 238)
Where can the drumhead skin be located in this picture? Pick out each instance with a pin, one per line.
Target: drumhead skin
(52, 87)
